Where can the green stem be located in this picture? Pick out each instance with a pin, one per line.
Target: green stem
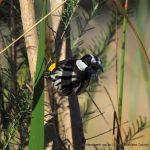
(122, 64)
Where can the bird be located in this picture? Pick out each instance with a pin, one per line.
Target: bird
(72, 76)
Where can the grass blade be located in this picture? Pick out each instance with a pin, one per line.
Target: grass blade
(37, 122)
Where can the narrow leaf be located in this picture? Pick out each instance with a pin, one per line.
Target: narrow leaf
(37, 121)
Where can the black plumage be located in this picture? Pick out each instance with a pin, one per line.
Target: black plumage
(72, 76)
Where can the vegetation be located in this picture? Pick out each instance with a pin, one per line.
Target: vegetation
(60, 32)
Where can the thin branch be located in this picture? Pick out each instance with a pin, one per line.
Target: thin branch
(105, 132)
(117, 44)
(98, 109)
(117, 120)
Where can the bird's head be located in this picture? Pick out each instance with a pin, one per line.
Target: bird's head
(93, 64)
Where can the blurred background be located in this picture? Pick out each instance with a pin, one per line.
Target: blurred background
(94, 28)
(136, 97)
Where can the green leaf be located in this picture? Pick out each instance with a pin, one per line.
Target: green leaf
(37, 121)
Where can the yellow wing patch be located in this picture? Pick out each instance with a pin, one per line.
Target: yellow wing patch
(52, 67)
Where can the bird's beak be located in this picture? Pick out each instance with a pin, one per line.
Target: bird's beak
(100, 67)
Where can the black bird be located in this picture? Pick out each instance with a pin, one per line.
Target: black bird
(72, 76)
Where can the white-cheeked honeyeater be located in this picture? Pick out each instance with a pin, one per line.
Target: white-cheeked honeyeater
(72, 76)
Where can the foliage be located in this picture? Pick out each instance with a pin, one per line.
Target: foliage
(16, 96)
(136, 128)
(15, 92)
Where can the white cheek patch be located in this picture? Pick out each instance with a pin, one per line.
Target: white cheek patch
(81, 65)
(100, 62)
(93, 59)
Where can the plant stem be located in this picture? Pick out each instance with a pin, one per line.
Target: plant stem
(117, 44)
(122, 64)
